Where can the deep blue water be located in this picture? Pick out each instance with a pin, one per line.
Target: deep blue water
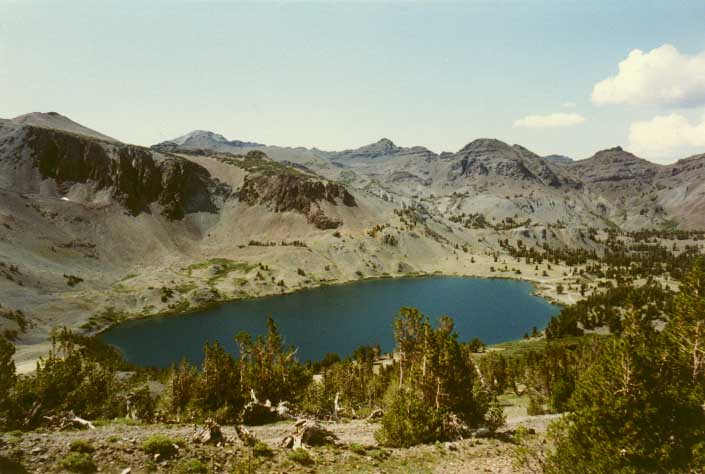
(340, 318)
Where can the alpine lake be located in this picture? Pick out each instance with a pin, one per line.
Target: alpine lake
(339, 318)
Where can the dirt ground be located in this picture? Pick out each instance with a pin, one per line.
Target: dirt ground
(117, 447)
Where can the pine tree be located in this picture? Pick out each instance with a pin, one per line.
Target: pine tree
(268, 368)
(686, 329)
(632, 411)
(7, 369)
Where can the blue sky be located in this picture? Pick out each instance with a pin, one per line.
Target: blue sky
(339, 75)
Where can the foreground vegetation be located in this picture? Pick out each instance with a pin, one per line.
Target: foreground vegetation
(632, 401)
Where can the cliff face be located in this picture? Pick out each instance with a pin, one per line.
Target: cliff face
(295, 193)
(134, 176)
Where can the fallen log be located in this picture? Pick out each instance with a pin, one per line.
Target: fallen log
(80, 422)
(375, 415)
(70, 420)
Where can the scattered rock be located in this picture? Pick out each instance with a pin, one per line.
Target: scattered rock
(210, 433)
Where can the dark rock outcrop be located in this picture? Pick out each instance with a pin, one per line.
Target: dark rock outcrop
(284, 192)
(135, 177)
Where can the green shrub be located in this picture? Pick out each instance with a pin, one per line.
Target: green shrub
(162, 445)
(78, 462)
(226, 415)
(408, 421)
(358, 449)
(191, 466)
(261, 449)
(245, 464)
(301, 456)
(81, 446)
(536, 405)
(380, 454)
(495, 418)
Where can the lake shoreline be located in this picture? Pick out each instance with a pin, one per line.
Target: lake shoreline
(493, 312)
(28, 354)
(205, 306)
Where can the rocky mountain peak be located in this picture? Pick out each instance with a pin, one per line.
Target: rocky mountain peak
(56, 121)
(204, 140)
(614, 165)
(384, 146)
(386, 143)
(615, 154)
(486, 145)
(381, 148)
(202, 136)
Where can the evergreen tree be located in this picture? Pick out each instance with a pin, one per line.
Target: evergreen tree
(7, 369)
(632, 412)
(218, 386)
(436, 372)
(268, 368)
(686, 329)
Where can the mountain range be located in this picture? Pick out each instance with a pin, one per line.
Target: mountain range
(613, 187)
(94, 231)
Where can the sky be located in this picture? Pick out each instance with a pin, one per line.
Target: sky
(565, 77)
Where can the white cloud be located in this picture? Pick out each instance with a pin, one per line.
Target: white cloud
(549, 120)
(663, 76)
(569, 104)
(666, 138)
